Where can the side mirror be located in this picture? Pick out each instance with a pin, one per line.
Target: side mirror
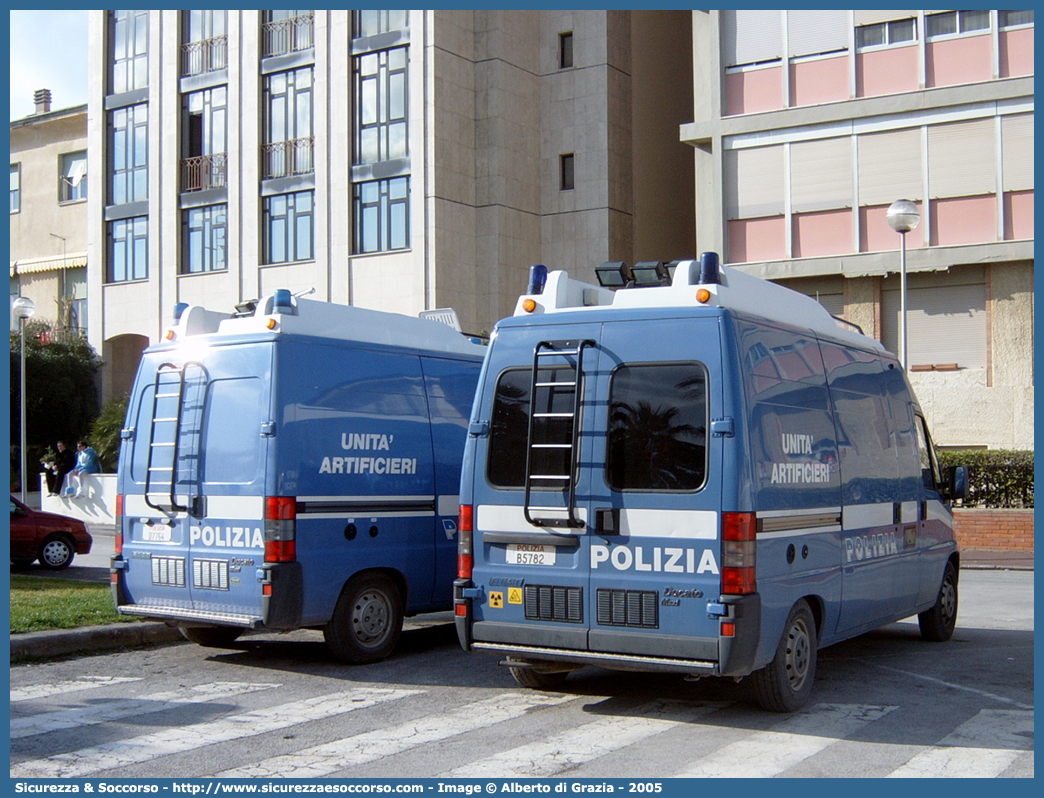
(957, 482)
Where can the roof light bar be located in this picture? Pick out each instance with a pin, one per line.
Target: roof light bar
(614, 274)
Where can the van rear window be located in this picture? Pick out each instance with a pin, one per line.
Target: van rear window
(657, 428)
(509, 426)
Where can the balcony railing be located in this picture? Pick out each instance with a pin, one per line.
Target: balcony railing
(62, 335)
(287, 158)
(287, 35)
(206, 55)
(204, 171)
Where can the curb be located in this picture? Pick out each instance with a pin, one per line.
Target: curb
(108, 637)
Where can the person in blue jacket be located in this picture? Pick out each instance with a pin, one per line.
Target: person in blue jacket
(86, 463)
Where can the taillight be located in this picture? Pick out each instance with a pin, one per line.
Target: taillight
(119, 523)
(465, 559)
(280, 529)
(739, 553)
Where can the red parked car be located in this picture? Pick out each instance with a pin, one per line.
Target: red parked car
(50, 538)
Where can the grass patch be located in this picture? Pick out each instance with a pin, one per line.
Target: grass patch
(39, 603)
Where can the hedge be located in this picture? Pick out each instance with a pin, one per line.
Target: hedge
(996, 477)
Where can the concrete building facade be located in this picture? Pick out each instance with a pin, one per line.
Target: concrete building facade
(807, 125)
(396, 160)
(48, 245)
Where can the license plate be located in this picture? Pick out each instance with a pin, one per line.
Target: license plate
(526, 554)
(156, 533)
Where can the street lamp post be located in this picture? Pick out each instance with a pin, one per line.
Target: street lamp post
(903, 217)
(23, 308)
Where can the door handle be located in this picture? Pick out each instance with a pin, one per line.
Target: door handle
(607, 521)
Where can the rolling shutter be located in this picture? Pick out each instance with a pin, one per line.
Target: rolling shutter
(750, 37)
(945, 324)
(962, 159)
(814, 32)
(754, 178)
(1017, 152)
(873, 16)
(821, 174)
(890, 167)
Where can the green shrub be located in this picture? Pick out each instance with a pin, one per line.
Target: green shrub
(1000, 478)
(105, 433)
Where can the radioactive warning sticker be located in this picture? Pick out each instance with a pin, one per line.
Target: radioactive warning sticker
(496, 599)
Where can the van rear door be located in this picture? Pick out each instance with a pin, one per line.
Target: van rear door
(194, 518)
(655, 489)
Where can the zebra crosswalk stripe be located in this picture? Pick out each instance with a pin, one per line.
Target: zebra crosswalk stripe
(584, 743)
(72, 685)
(769, 753)
(972, 751)
(186, 738)
(322, 760)
(128, 707)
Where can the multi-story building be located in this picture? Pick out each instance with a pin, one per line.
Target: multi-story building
(397, 160)
(49, 214)
(807, 125)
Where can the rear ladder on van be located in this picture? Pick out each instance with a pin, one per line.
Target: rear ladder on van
(553, 430)
(177, 414)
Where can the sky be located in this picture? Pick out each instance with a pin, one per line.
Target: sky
(48, 51)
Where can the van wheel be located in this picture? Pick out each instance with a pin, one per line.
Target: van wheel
(56, 553)
(367, 620)
(535, 680)
(785, 684)
(938, 623)
(211, 636)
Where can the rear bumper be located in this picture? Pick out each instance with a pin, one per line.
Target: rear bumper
(715, 656)
(279, 599)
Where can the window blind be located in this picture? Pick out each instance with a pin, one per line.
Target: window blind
(890, 167)
(962, 159)
(945, 324)
(754, 178)
(750, 37)
(821, 174)
(1017, 149)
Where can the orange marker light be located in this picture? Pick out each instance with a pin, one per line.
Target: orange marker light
(703, 295)
(170, 335)
(528, 305)
(270, 324)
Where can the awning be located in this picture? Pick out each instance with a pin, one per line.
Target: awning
(74, 260)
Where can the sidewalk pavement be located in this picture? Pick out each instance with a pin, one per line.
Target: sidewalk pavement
(136, 634)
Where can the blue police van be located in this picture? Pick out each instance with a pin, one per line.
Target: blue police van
(698, 472)
(295, 464)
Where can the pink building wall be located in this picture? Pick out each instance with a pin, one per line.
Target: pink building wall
(889, 71)
(1018, 215)
(752, 240)
(967, 59)
(876, 235)
(1016, 52)
(964, 220)
(822, 233)
(754, 90)
(824, 80)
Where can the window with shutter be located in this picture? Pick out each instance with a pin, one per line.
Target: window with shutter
(945, 325)
(754, 178)
(751, 37)
(821, 174)
(962, 159)
(890, 167)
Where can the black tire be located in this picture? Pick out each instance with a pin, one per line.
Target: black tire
(211, 636)
(57, 552)
(785, 684)
(535, 680)
(367, 620)
(938, 623)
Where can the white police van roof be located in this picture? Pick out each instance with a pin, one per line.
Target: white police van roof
(282, 313)
(735, 290)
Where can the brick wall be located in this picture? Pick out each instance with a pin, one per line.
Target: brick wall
(1003, 530)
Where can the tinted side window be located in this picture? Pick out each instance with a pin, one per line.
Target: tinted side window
(930, 473)
(657, 428)
(232, 431)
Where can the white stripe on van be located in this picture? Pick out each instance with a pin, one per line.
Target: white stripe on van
(862, 516)
(511, 518)
(689, 524)
(217, 506)
(385, 498)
